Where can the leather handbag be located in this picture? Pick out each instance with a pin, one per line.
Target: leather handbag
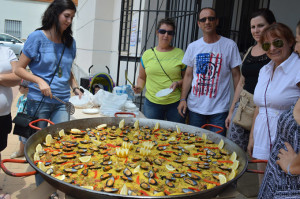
(244, 114)
(22, 128)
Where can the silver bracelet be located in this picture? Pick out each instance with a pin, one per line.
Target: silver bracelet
(288, 170)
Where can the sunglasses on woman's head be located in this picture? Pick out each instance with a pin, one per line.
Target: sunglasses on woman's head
(170, 32)
(205, 18)
(278, 43)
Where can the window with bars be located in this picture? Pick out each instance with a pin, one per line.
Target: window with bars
(13, 27)
(126, 24)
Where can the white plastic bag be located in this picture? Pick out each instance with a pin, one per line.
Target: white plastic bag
(110, 103)
(84, 102)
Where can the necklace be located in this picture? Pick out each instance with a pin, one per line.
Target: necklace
(60, 71)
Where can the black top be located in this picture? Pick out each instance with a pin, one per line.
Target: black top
(250, 70)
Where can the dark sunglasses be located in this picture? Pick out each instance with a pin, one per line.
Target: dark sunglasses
(277, 43)
(170, 32)
(205, 18)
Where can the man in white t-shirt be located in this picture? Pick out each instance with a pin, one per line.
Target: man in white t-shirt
(211, 60)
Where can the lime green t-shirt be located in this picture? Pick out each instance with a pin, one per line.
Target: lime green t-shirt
(156, 79)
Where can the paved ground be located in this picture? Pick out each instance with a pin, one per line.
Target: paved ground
(24, 187)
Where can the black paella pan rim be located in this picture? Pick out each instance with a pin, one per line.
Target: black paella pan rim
(79, 192)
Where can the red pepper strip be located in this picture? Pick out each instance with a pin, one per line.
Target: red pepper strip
(58, 174)
(94, 187)
(126, 160)
(138, 179)
(105, 155)
(167, 192)
(163, 144)
(143, 192)
(156, 130)
(164, 158)
(169, 151)
(111, 145)
(96, 173)
(71, 153)
(72, 137)
(178, 138)
(219, 172)
(156, 135)
(180, 133)
(155, 176)
(195, 189)
(121, 133)
(117, 177)
(211, 182)
(193, 171)
(225, 161)
(74, 165)
(171, 172)
(48, 149)
(67, 163)
(97, 180)
(198, 154)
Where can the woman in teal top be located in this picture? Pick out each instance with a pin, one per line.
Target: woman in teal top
(162, 68)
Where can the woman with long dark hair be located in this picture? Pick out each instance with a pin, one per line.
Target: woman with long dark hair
(44, 48)
(49, 52)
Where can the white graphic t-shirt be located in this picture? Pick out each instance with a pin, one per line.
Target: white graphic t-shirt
(212, 64)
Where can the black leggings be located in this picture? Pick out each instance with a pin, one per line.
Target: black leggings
(5, 129)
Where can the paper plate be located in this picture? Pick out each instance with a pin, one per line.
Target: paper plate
(164, 92)
(90, 111)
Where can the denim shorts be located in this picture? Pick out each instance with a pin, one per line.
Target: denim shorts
(162, 112)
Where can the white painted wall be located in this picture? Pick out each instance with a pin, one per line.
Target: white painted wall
(29, 12)
(286, 12)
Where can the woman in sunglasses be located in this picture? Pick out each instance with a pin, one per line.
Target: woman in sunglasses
(253, 61)
(161, 68)
(282, 175)
(277, 89)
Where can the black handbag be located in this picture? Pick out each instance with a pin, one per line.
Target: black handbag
(22, 121)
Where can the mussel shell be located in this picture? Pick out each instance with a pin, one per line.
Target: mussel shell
(106, 163)
(158, 162)
(170, 184)
(147, 137)
(107, 168)
(66, 149)
(80, 166)
(47, 163)
(85, 172)
(68, 156)
(185, 190)
(127, 178)
(135, 159)
(55, 153)
(60, 161)
(84, 142)
(105, 176)
(193, 176)
(173, 142)
(165, 154)
(177, 154)
(217, 156)
(70, 170)
(225, 168)
(82, 151)
(177, 147)
(127, 172)
(145, 186)
(203, 166)
(110, 182)
(190, 181)
(161, 148)
(126, 139)
(110, 189)
(179, 161)
(152, 181)
(194, 168)
(178, 175)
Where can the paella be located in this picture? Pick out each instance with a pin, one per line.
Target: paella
(136, 160)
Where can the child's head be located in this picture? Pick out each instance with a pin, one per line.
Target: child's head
(24, 87)
(97, 87)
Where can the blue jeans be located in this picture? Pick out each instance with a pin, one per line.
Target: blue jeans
(218, 119)
(56, 113)
(162, 112)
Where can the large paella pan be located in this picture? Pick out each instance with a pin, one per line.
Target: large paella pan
(81, 192)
